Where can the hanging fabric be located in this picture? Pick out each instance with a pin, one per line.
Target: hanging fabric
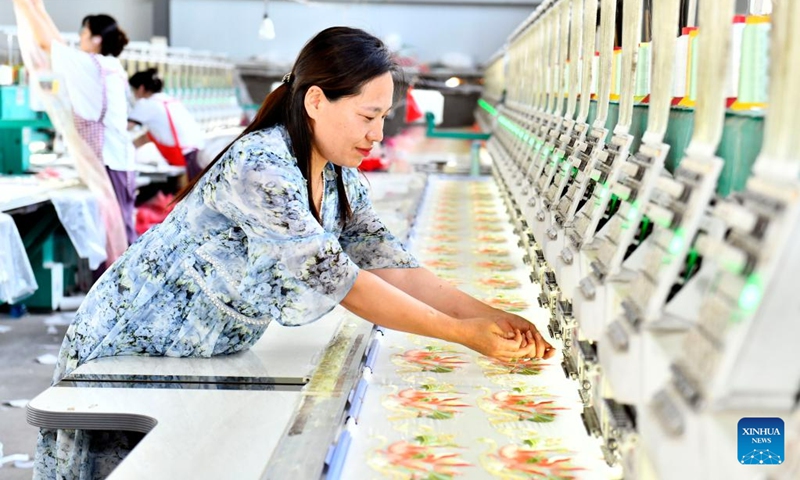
(90, 167)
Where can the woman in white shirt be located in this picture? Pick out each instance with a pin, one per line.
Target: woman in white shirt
(97, 87)
(170, 126)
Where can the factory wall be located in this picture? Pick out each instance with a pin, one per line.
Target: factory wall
(431, 30)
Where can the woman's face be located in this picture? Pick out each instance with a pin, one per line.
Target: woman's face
(345, 129)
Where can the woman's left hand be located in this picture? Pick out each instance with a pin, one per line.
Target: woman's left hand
(511, 323)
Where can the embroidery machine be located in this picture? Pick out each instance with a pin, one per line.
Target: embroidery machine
(659, 276)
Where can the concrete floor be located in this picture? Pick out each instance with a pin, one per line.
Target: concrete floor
(22, 377)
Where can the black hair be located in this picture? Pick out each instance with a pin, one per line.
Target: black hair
(148, 79)
(338, 60)
(113, 38)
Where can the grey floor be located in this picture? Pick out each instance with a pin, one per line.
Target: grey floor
(22, 377)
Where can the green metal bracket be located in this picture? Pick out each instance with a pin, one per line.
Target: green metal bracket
(42, 122)
(432, 132)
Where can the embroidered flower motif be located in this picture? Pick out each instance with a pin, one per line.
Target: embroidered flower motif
(496, 265)
(500, 282)
(517, 406)
(489, 227)
(441, 264)
(443, 238)
(428, 401)
(491, 239)
(492, 252)
(528, 366)
(426, 457)
(523, 462)
(442, 250)
(509, 303)
(431, 359)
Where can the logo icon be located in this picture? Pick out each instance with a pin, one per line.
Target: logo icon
(761, 441)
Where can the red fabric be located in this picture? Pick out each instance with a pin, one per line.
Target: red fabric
(173, 154)
(153, 212)
(373, 163)
(413, 113)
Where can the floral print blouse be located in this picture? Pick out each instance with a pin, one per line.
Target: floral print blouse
(242, 249)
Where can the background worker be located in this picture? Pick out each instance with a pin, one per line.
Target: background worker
(171, 127)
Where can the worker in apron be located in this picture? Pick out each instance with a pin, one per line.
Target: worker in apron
(97, 87)
(171, 127)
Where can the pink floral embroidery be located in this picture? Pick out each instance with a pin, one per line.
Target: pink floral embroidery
(444, 238)
(504, 283)
(528, 366)
(442, 250)
(549, 464)
(433, 359)
(492, 251)
(441, 264)
(424, 458)
(491, 239)
(525, 407)
(496, 265)
(428, 402)
(486, 211)
(489, 227)
(509, 304)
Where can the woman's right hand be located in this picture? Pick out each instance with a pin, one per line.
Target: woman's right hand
(488, 337)
(33, 3)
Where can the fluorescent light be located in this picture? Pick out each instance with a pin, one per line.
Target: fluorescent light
(267, 30)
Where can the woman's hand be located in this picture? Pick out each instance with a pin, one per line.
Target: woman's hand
(32, 3)
(495, 337)
(510, 322)
(42, 27)
(486, 330)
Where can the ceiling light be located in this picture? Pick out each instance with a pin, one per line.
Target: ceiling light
(267, 29)
(453, 82)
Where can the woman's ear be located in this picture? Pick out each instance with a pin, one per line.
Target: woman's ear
(313, 101)
(97, 39)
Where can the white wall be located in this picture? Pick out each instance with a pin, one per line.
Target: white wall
(232, 26)
(134, 16)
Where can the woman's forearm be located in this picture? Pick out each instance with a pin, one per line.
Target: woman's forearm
(426, 287)
(51, 30)
(42, 27)
(383, 304)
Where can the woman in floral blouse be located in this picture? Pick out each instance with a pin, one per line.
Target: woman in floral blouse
(277, 228)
